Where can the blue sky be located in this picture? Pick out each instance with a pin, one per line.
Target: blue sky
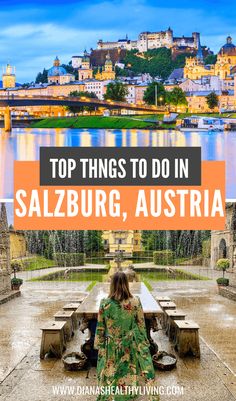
(32, 33)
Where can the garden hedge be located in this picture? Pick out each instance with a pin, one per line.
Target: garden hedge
(165, 257)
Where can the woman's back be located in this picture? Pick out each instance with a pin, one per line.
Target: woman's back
(119, 316)
(121, 339)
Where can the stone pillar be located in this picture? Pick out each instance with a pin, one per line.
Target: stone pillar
(7, 119)
(5, 266)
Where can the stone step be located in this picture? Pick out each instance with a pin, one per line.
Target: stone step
(8, 296)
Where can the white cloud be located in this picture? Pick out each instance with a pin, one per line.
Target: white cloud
(43, 33)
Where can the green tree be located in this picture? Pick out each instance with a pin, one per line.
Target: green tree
(155, 93)
(90, 95)
(223, 264)
(123, 72)
(210, 59)
(177, 97)
(183, 243)
(212, 100)
(77, 109)
(156, 62)
(42, 77)
(46, 243)
(93, 241)
(116, 91)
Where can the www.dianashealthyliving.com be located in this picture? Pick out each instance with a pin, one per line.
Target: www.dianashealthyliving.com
(66, 390)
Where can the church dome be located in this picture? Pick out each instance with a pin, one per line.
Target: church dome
(56, 70)
(229, 49)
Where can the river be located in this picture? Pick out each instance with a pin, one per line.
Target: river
(24, 144)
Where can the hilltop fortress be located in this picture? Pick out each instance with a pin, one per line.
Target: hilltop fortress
(153, 40)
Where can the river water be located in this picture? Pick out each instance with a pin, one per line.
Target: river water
(24, 144)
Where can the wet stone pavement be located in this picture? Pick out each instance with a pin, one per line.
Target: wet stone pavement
(23, 377)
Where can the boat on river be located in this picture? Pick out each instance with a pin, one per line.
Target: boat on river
(199, 123)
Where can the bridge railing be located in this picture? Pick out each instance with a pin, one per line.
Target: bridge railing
(83, 99)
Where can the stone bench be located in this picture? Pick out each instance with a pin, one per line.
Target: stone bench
(77, 299)
(53, 339)
(72, 307)
(168, 305)
(162, 299)
(187, 338)
(66, 316)
(171, 316)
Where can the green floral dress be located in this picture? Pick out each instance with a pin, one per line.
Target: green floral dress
(123, 347)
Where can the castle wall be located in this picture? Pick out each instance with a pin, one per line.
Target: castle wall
(153, 40)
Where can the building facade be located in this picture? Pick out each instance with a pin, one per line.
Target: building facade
(18, 247)
(226, 61)
(58, 74)
(85, 71)
(139, 93)
(128, 241)
(107, 73)
(223, 243)
(9, 77)
(95, 86)
(76, 61)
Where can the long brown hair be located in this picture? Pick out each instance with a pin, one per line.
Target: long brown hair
(119, 289)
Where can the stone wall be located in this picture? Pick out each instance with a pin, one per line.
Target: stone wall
(228, 292)
(216, 238)
(5, 282)
(17, 245)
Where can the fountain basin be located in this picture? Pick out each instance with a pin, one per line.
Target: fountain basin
(74, 361)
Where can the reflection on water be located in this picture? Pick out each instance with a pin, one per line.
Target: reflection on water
(24, 144)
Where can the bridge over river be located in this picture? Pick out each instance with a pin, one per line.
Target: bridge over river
(13, 102)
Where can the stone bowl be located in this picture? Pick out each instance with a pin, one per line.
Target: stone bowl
(75, 361)
(164, 361)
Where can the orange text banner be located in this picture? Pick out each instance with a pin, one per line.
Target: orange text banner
(119, 208)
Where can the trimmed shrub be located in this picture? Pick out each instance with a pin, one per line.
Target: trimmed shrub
(142, 254)
(223, 281)
(165, 257)
(16, 281)
(16, 265)
(223, 264)
(69, 259)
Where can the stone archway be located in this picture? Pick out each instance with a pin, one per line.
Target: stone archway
(222, 249)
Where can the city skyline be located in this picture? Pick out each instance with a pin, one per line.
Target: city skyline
(42, 31)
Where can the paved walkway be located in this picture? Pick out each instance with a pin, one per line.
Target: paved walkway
(24, 377)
